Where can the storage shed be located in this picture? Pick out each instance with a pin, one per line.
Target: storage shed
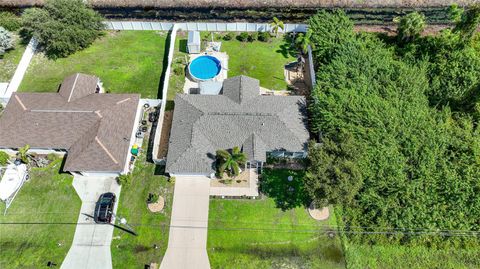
(193, 43)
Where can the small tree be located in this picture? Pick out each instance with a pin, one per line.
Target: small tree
(124, 179)
(6, 40)
(63, 26)
(264, 36)
(4, 158)
(410, 26)
(303, 41)
(243, 37)
(10, 21)
(23, 154)
(276, 26)
(230, 162)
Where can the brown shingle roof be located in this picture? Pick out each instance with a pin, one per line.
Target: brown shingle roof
(94, 128)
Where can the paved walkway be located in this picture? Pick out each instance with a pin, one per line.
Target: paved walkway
(187, 240)
(91, 243)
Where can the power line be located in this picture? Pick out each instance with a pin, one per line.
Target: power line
(446, 233)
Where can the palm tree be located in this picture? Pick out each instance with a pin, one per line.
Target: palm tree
(230, 162)
(277, 25)
(304, 40)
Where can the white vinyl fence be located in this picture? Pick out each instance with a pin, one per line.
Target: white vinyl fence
(202, 26)
(166, 79)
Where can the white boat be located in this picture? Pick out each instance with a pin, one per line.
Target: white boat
(12, 181)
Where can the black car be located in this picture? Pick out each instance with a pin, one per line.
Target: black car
(104, 208)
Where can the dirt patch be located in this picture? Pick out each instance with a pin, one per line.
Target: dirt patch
(319, 214)
(165, 135)
(158, 206)
(242, 180)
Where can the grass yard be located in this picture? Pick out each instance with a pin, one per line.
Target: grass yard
(178, 69)
(125, 61)
(257, 234)
(49, 200)
(401, 257)
(129, 251)
(264, 61)
(10, 60)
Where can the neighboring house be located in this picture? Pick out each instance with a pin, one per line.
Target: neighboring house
(96, 130)
(238, 116)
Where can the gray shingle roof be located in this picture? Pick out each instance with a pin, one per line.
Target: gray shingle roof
(94, 128)
(240, 117)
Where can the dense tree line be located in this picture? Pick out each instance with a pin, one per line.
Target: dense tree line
(398, 125)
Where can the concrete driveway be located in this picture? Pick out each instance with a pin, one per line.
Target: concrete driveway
(187, 241)
(91, 243)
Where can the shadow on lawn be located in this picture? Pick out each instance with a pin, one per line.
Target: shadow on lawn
(287, 194)
(325, 248)
(287, 48)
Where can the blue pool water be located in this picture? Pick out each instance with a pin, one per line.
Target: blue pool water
(205, 67)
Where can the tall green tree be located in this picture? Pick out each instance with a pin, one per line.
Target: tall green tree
(276, 25)
(468, 23)
(63, 26)
(410, 26)
(416, 162)
(333, 176)
(230, 162)
(331, 30)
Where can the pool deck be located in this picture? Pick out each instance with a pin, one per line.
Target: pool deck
(221, 56)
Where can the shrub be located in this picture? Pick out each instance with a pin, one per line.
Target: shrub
(63, 27)
(243, 37)
(52, 157)
(4, 157)
(179, 70)
(125, 179)
(23, 154)
(6, 40)
(229, 36)
(253, 37)
(10, 21)
(264, 36)
(152, 198)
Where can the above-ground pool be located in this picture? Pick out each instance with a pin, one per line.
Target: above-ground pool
(204, 68)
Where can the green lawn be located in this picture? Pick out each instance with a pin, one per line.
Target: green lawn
(125, 61)
(10, 60)
(49, 200)
(177, 73)
(402, 257)
(256, 234)
(129, 251)
(264, 61)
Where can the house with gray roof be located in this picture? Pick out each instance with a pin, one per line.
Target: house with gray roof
(96, 130)
(238, 116)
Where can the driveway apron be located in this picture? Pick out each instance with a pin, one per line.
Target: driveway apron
(187, 240)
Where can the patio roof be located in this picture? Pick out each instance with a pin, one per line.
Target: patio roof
(94, 128)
